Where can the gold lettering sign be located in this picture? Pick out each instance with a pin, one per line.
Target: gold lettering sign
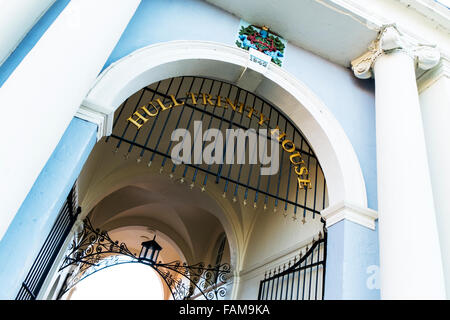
(151, 109)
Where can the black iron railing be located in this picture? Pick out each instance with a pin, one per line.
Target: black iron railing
(42, 264)
(304, 279)
(152, 144)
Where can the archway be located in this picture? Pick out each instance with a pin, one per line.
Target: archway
(199, 58)
(320, 129)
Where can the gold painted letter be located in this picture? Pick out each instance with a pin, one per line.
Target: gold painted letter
(207, 98)
(148, 112)
(285, 142)
(233, 106)
(163, 107)
(295, 155)
(302, 183)
(136, 121)
(194, 100)
(175, 102)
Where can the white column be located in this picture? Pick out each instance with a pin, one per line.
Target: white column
(434, 90)
(16, 19)
(44, 92)
(410, 256)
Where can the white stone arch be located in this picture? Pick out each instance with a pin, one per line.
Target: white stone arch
(156, 62)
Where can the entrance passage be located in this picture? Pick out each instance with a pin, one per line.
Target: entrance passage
(205, 215)
(144, 124)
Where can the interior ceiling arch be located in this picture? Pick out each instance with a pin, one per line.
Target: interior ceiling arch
(185, 221)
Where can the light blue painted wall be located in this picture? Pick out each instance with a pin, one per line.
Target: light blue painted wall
(31, 39)
(352, 102)
(352, 262)
(167, 20)
(36, 216)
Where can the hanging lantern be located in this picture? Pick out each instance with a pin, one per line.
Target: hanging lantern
(150, 251)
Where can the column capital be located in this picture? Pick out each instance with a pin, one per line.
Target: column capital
(390, 39)
(340, 211)
(428, 78)
(97, 115)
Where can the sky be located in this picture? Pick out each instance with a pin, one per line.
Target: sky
(127, 281)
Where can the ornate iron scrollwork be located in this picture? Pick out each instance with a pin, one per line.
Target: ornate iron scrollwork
(93, 250)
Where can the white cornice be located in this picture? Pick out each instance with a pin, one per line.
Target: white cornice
(340, 211)
(429, 77)
(99, 117)
(421, 21)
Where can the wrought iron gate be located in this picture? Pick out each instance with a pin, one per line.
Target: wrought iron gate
(38, 272)
(178, 103)
(302, 280)
(93, 250)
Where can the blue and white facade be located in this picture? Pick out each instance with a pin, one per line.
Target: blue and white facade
(367, 83)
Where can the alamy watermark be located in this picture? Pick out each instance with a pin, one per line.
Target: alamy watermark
(373, 280)
(209, 147)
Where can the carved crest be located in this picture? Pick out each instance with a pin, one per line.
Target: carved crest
(263, 40)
